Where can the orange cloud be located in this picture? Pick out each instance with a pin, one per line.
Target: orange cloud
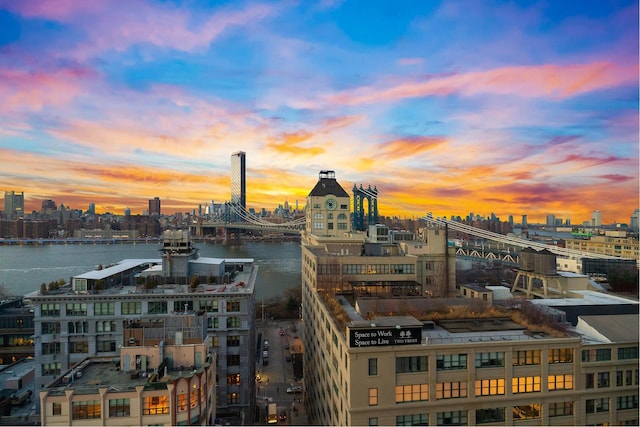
(550, 81)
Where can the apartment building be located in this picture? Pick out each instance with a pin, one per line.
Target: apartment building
(384, 346)
(165, 375)
(89, 317)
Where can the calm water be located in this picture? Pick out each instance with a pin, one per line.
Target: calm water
(24, 268)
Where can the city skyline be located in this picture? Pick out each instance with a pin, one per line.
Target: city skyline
(452, 107)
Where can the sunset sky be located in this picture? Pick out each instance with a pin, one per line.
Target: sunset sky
(446, 107)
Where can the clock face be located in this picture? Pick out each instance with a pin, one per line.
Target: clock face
(331, 204)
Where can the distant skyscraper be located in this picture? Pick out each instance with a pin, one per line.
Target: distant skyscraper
(238, 179)
(92, 209)
(633, 221)
(154, 206)
(551, 220)
(596, 218)
(13, 204)
(511, 220)
(127, 212)
(48, 206)
(524, 220)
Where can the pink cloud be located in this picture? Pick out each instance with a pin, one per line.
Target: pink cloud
(20, 90)
(552, 81)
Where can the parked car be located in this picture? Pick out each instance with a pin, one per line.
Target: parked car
(286, 346)
(294, 389)
(283, 415)
(288, 358)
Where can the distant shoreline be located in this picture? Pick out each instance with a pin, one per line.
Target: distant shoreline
(146, 240)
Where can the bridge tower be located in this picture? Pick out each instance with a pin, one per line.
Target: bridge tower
(360, 195)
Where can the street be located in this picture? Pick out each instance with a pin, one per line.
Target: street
(277, 376)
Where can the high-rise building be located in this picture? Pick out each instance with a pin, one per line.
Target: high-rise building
(92, 209)
(90, 317)
(596, 218)
(13, 204)
(524, 220)
(154, 206)
(238, 179)
(551, 220)
(633, 221)
(383, 347)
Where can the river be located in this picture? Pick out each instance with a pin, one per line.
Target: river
(24, 268)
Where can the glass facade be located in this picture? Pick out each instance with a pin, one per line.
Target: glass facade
(238, 179)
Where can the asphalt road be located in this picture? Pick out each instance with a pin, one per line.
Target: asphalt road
(277, 375)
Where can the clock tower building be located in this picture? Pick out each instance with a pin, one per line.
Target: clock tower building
(327, 212)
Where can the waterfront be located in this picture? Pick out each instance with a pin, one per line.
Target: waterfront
(24, 268)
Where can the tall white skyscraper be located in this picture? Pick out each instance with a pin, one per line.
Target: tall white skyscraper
(633, 221)
(596, 218)
(238, 179)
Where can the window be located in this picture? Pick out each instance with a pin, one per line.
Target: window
(445, 362)
(50, 328)
(411, 364)
(156, 405)
(183, 306)
(596, 355)
(402, 268)
(342, 226)
(131, 307)
(233, 360)
(318, 225)
(79, 327)
(412, 393)
(560, 355)
(76, 309)
(490, 415)
(627, 353)
(373, 366)
(50, 348)
(373, 421)
(373, 396)
(157, 307)
(328, 269)
(451, 390)
(79, 347)
(560, 382)
(105, 346)
(597, 405)
(104, 309)
(213, 323)
(57, 408)
(50, 310)
(86, 409)
(233, 322)
(233, 398)
(589, 381)
(525, 384)
(233, 306)
(603, 379)
(490, 387)
(210, 306)
(233, 379)
(627, 402)
(354, 269)
(194, 396)
(490, 360)
(526, 412)
(52, 368)
(105, 326)
(317, 215)
(559, 409)
(452, 418)
(119, 408)
(182, 402)
(526, 357)
(233, 340)
(412, 420)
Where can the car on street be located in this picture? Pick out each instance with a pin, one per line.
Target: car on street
(294, 389)
(288, 358)
(286, 346)
(282, 416)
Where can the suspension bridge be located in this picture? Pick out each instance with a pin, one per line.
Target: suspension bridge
(491, 246)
